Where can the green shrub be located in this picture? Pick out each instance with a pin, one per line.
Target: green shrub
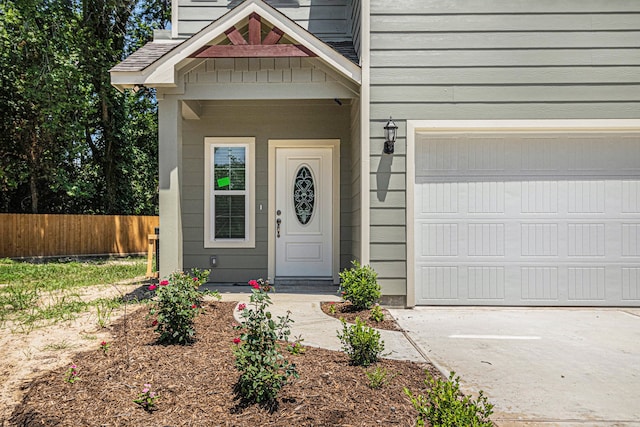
(445, 406)
(359, 286)
(378, 378)
(361, 343)
(263, 368)
(179, 302)
(376, 313)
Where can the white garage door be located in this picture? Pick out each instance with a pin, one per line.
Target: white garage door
(527, 219)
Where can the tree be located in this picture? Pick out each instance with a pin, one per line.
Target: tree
(69, 141)
(41, 101)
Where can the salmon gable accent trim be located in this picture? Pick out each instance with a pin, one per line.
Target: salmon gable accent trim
(254, 51)
(255, 47)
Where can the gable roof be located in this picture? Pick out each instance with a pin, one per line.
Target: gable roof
(156, 63)
(146, 55)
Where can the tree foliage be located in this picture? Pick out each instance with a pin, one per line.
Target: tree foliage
(69, 141)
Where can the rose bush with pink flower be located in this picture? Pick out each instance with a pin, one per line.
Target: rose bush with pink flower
(177, 305)
(263, 369)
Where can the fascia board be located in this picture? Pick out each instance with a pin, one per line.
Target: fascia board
(122, 80)
(315, 45)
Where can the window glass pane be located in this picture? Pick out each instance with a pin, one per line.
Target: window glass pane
(229, 168)
(304, 195)
(230, 217)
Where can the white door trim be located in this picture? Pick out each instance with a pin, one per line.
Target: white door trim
(554, 125)
(334, 144)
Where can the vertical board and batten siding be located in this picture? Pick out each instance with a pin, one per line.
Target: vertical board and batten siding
(488, 59)
(262, 78)
(264, 120)
(44, 235)
(326, 19)
(354, 24)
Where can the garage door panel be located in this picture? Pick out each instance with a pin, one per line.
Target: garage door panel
(585, 196)
(586, 283)
(438, 240)
(631, 239)
(535, 196)
(486, 283)
(528, 220)
(485, 239)
(533, 285)
(438, 197)
(630, 196)
(438, 282)
(630, 283)
(539, 283)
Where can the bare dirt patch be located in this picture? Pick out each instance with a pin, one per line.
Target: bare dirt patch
(26, 352)
(196, 383)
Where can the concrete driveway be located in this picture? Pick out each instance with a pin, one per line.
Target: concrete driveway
(578, 367)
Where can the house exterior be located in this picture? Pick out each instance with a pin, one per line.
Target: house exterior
(515, 176)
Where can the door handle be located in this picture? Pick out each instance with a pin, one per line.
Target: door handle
(278, 222)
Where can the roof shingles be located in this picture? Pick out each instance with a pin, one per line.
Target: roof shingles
(146, 55)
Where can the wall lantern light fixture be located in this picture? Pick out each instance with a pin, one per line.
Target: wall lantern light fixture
(390, 136)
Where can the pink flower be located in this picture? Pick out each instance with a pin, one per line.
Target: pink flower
(154, 323)
(103, 343)
(195, 279)
(242, 306)
(145, 390)
(237, 340)
(254, 284)
(164, 283)
(152, 287)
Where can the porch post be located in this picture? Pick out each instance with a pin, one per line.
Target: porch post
(170, 179)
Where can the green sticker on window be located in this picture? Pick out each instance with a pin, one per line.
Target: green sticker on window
(224, 182)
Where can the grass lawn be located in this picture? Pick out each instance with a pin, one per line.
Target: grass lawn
(32, 295)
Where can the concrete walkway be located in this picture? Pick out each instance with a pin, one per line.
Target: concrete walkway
(319, 330)
(540, 367)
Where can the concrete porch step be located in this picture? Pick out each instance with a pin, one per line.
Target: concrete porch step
(288, 286)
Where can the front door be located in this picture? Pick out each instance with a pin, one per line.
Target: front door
(303, 212)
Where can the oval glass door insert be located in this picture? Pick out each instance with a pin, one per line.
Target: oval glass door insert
(304, 196)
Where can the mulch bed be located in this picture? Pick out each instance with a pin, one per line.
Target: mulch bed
(196, 384)
(345, 310)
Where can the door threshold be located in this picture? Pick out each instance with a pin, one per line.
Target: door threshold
(303, 281)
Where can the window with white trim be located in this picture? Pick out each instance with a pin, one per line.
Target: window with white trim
(229, 193)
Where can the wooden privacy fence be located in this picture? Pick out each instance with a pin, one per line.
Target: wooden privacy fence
(35, 235)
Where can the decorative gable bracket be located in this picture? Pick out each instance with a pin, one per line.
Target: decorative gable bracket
(255, 46)
(254, 30)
